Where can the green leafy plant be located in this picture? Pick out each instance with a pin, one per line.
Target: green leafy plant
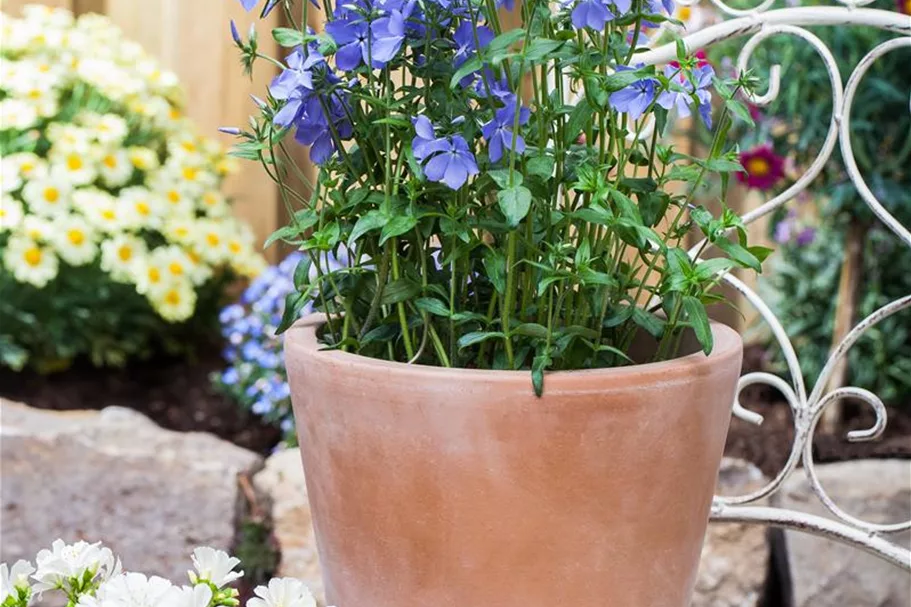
(791, 131)
(485, 224)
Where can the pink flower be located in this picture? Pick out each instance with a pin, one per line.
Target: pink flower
(763, 167)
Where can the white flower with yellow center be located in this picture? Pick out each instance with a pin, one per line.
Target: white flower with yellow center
(47, 197)
(175, 302)
(120, 254)
(177, 203)
(115, 168)
(151, 71)
(143, 209)
(17, 114)
(109, 129)
(214, 203)
(44, 101)
(47, 16)
(37, 228)
(10, 179)
(180, 230)
(74, 240)
(66, 138)
(175, 261)
(149, 274)
(25, 166)
(185, 149)
(144, 159)
(211, 240)
(29, 261)
(10, 213)
(75, 167)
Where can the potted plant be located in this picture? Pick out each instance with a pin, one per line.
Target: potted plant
(514, 394)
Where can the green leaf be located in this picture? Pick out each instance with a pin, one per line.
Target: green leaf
(579, 120)
(476, 337)
(501, 177)
(708, 269)
(371, 221)
(538, 365)
(503, 42)
(515, 203)
(294, 304)
(681, 48)
(542, 166)
(469, 67)
(723, 165)
(739, 254)
(740, 110)
(400, 290)
(651, 323)
(397, 226)
(287, 37)
(286, 233)
(433, 306)
(302, 272)
(621, 80)
(695, 312)
(495, 265)
(540, 48)
(530, 329)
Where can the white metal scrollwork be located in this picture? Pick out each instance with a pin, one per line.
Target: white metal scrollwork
(760, 23)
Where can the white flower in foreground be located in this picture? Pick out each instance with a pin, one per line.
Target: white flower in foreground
(214, 566)
(282, 592)
(63, 562)
(193, 596)
(15, 579)
(133, 590)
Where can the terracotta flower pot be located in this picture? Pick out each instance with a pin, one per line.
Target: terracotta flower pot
(435, 487)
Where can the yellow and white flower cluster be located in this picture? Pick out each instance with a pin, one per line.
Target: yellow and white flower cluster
(100, 167)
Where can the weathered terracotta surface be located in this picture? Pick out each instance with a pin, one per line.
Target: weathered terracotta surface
(442, 488)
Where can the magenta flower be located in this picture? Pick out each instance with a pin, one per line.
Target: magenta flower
(903, 6)
(763, 168)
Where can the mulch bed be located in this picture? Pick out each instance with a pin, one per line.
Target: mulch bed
(175, 394)
(179, 396)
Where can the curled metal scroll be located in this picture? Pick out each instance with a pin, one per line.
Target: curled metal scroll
(761, 23)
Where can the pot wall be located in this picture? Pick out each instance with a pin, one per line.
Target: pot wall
(436, 488)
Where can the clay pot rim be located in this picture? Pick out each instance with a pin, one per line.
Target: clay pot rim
(728, 344)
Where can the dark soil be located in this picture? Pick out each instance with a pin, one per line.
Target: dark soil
(769, 445)
(179, 396)
(176, 394)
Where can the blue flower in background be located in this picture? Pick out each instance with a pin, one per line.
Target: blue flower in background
(592, 14)
(361, 41)
(635, 98)
(499, 133)
(255, 376)
(655, 6)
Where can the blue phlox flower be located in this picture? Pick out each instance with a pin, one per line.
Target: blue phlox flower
(592, 14)
(499, 131)
(231, 313)
(635, 98)
(509, 4)
(314, 128)
(425, 142)
(676, 99)
(655, 6)
(464, 37)
(230, 376)
(452, 166)
(249, 5)
(261, 407)
(702, 80)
